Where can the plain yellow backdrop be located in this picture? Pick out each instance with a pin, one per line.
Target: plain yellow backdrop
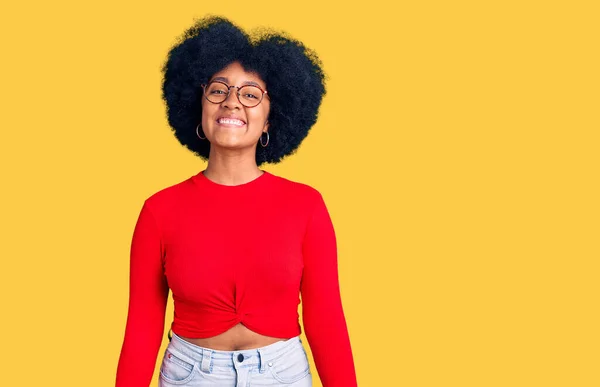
(457, 149)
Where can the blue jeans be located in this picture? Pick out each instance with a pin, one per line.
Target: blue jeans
(283, 363)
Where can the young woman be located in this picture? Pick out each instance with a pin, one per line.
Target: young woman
(236, 245)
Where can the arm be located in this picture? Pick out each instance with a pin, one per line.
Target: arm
(322, 312)
(148, 294)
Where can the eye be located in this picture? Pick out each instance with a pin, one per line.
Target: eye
(250, 95)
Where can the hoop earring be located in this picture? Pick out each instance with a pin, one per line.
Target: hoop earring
(198, 134)
(261, 137)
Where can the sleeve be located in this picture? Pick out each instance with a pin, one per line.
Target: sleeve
(322, 311)
(148, 294)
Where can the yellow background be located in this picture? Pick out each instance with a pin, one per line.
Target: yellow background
(457, 149)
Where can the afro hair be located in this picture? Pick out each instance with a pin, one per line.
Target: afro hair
(292, 73)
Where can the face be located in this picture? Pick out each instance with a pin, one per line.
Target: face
(229, 124)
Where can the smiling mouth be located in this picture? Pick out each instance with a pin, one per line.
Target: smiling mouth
(231, 122)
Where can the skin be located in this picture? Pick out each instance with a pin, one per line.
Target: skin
(233, 149)
(232, 162)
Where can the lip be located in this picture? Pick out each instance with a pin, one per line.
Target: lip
(230, 118)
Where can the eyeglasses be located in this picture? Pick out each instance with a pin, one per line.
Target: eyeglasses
(248, 95)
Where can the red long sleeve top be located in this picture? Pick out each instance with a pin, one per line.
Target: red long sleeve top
(235, 254)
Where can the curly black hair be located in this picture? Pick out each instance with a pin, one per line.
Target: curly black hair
(292, 73)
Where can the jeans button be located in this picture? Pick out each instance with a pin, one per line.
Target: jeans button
(240, 357)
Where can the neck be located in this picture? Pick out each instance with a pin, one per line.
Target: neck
(231, 169)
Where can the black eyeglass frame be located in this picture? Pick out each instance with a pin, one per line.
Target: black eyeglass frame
(264, 92)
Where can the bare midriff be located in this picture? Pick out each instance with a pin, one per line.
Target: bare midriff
(235, 339)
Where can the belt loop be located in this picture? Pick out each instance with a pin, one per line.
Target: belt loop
(262, 360)
(206, 359)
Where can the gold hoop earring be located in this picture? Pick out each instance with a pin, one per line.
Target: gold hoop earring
(198, 134)
(261, 141)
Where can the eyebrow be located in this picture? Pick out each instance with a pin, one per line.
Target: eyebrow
(223, 79)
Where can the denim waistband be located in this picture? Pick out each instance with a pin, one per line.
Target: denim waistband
(207, 357)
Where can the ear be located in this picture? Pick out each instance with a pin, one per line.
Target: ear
(266, 126)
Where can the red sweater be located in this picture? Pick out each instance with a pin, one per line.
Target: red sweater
(235, 254)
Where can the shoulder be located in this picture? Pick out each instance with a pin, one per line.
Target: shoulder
(166, 198)
(296, 189)
(302, 196)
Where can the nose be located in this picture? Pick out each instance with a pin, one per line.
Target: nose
(232, 100)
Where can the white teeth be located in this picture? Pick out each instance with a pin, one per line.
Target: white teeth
(230, 121)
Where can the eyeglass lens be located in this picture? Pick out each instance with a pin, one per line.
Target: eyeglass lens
(248, 96)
